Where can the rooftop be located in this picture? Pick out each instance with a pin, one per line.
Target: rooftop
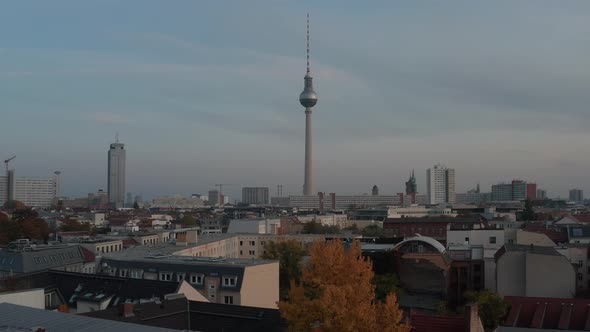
(23, 318)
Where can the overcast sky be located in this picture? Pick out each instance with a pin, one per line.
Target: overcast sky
(205, 92)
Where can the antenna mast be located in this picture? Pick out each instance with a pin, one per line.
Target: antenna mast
(308, 67)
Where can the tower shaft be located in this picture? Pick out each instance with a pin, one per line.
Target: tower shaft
(308, 182)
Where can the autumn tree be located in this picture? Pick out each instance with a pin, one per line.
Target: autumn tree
(35, 229)
(528, 214)
(289, 253)
(314, 227)
(372, 231)
(336, 294)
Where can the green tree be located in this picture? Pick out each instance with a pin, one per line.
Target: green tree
(528, 214)
(492, 307)
(314, 227)
(74, 226)
(289, 253)
(136, 205)
(385, 284)
(372, 231)
(188, 220)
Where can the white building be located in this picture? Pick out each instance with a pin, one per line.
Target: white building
(36, 192)
(116, 175)
(440, 183)
(419, 212)
(177, 202)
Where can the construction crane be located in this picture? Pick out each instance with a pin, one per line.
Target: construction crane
(7, 161)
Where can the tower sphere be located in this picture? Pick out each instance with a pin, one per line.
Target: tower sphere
(308, 98)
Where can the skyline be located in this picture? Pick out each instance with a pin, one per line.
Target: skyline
(503, 99)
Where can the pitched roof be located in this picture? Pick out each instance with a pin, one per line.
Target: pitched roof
(548, 313)
(19, 317)
(203, 316)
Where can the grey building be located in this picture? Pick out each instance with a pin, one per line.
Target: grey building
(214, 197)
(440, 185)
(116, 175)
(255, 195)
(37, 192)
(534, 271)
(576, 195)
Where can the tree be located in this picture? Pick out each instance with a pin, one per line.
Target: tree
(528, 214)
(35, 229)
(492, 307)
(188, 220)
(74, 226)
(9, 231)
(372, 231)
(385, 284)
(136, 205)
(314, 227)
(289, 253)
(336, 294)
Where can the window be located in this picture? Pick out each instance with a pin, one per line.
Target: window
(212, 296)
(230, 281)
(123, 273)
(492, 239)
(580, 276)
(241, 252)
(262, 242)
(467, 239)
(196, 279)
(136, 274)
(165, 276)
(241, 243)
(252, 252)
(179, 277)
(228, 299)
(252, 243)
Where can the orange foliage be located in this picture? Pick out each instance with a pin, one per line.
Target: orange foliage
(336, 294)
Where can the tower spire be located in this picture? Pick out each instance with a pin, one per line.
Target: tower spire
(308, 67)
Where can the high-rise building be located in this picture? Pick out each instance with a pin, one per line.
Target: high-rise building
(517, 190)
(116, 175)
(576, 195)
(36, 192)
(214, 197)
(308, 98)
(440, 183)
(411, 187)
(255, 195)
(129, 199)
(541, 194)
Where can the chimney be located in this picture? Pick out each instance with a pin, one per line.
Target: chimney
(127, 310)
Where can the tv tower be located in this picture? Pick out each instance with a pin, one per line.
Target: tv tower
(308, 98)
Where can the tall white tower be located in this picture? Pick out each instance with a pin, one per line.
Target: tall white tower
(116, 175)
(308, 98)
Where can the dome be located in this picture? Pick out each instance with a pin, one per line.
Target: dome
(308, 98)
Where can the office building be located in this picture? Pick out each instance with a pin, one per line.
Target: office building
(36, 192)
(116, 175)
(255, 195)
(576, 195)
(440, 183)
(541, 194)
(517, 190)
(472, 198)
(214, 197)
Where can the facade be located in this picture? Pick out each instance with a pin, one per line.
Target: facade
(418, 212)
(541, 194)
(517, 190)
(440, 185)
(342, 202)
(36, 192)
(116, 175)
(528, 270)
(214, 197)
(244, 282)
(576, 195)
(434, 227)
(472, 198)
(255, 195)
(255, 226)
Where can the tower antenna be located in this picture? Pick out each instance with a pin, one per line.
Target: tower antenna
(117, 137)
(308, 67)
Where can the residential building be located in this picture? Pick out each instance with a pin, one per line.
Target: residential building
(578, 257)
(248, 282)
(440, 185)
(434, 227)
(576, 195)
(529, 270)
(36, 192)
(255, 195)
(256, 226)
(116, 175)
(180, 314)
(342, 202)
(177, 202)
(517, 190)
(101, 246)
(24, 257)
(472, 198)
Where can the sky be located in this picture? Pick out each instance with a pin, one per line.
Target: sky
(206, 92)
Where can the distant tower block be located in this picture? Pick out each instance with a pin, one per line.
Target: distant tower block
(375, 190)
(308, 98)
